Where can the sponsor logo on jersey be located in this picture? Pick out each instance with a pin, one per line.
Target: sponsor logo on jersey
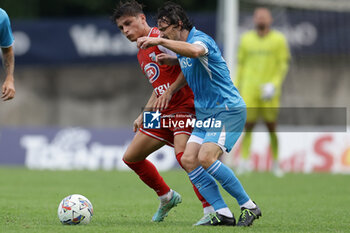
(185, 62)
(152, 71)
(161, 89)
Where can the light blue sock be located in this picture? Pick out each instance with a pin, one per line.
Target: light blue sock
(207, 187)
(228, 181)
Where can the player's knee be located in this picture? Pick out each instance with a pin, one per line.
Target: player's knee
(271, 126)
(130, 157)
(206, 158)
(249, 126)
(126, 159)
(187, 162)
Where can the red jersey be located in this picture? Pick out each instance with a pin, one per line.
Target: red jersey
(162, 76)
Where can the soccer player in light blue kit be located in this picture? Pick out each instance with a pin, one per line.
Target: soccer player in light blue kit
(8, 58)
(216, 99)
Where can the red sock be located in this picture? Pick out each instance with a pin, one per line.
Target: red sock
(200, 197)
(148, 173)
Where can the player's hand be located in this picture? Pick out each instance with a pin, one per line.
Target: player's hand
(268, 91)
(162, 101)
(166, 59)
(137, 123)
(8, 89)
(147, 42)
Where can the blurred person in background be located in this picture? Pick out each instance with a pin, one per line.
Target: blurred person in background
(131, 21)
(8, 57)
(263, 58)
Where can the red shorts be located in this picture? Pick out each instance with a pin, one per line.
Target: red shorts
(171, 125)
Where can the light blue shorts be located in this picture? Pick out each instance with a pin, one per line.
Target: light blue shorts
(232, 125)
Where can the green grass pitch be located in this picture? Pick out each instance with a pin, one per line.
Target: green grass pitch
(122, 203)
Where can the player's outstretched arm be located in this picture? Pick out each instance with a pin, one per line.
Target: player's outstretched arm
(163, 101)
(8, 87)
(180, 47)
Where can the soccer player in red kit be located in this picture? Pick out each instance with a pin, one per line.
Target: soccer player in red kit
(131, 21)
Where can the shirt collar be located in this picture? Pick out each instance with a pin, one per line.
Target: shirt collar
(191, 34)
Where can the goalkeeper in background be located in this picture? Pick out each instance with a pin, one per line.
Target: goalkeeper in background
(262, 65)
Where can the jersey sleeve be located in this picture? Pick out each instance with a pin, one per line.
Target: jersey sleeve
(6, 37)
(283, 56)
(203, 45)
(205, 42)
(167, 51)
(240, 62)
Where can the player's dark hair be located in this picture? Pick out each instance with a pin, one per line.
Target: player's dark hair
(128, 8)
(172, 13)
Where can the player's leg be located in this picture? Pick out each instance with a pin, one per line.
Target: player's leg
(270, 115)
(244, 165)
(247, 140)
(205, 184)
(135, 157)
(180, 141)
(251, 99)
(208, 157)
(214, 144)
(271, 126)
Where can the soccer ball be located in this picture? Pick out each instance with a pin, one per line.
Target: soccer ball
(75, 209)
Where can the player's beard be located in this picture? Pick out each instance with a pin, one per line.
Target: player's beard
(261, 27)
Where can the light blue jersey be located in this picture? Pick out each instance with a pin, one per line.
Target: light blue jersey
(6, 37)
(215, 96)
(209, 78)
